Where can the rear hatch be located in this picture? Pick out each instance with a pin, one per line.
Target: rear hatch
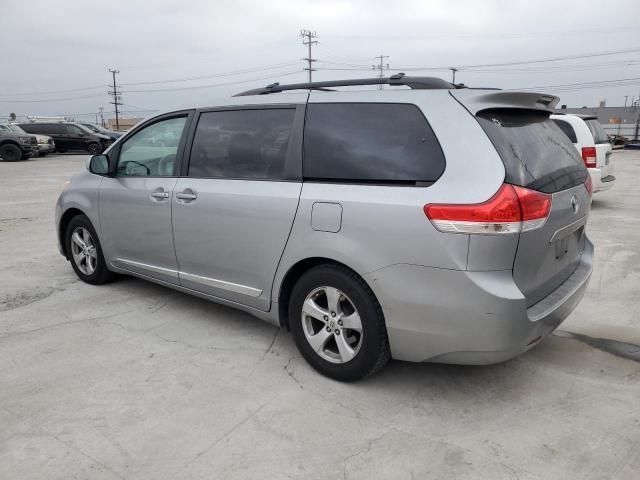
(603, 147)
(538, 156)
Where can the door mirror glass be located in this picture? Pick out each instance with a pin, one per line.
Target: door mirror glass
(99, 164)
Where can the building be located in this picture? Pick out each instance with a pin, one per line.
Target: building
(615, 120)
(124, 123)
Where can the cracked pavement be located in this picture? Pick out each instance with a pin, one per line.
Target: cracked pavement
(136, 381)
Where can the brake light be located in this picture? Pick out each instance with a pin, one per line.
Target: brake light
(588, 184)
(512, 209)
(589, 156)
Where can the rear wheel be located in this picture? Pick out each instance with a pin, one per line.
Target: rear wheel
(85, 253)
(94, 148)
(338, 324)
(25, 156)
(10, 153)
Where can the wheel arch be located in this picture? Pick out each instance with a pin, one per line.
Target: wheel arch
(64, 223)
(294, 273)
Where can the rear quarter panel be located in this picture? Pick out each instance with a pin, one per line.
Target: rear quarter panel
(385, 225)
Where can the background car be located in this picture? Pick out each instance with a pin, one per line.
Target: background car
(14, 147)
(70, 136)
(46, 144)
(95, 128)
(588, 136)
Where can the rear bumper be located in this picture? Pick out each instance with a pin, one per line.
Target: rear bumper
(475, 318)
(600, 182)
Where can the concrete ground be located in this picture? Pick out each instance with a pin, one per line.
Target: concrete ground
(135, 381)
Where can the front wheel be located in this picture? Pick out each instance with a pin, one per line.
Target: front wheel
(85, 253)
(337, 323)
(94, 148)
(10, 153)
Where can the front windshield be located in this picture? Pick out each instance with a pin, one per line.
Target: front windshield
(9, 127)
(91, 127)
(85, 128)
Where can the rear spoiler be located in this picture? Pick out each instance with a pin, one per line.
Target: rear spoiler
(476, 101)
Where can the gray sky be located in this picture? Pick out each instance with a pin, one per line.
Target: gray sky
(62, 45)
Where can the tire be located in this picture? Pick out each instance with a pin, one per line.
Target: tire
(44, 154)
(88, 263)
(10, 153)
(94, 148)
(60, 150)
(25, 156)
(368, 350)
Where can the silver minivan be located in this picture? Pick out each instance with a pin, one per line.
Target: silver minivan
(421, 222)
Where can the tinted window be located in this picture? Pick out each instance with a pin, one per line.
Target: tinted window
(370, 142)
(567, 129)
(241, 144)
(535, 152)
(73, 130)
(152, 151)
(599, 135)
(32, 128)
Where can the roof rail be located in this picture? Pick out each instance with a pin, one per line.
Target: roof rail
(416, 83)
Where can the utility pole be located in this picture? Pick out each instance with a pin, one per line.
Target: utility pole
(116, 96)
(308, 40)
(453, 74)
(101, 116)
(381, 67)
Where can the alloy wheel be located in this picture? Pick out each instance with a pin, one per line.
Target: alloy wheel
(332, 324)
(83, 250)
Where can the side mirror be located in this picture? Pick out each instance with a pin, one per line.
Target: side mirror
(99, 165)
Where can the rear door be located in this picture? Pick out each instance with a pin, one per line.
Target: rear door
(539, 156)
(234, 206)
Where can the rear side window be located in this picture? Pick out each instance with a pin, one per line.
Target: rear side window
(242, 144)
(360, 142)
(567, 129)
(599, 135)
(535, 152)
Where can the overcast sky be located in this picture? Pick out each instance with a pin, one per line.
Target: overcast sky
(62, 49)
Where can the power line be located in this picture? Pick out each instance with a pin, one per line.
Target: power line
(215, 75)
(308, 37)
(198, 87)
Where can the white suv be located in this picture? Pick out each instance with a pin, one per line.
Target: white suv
(592, 143)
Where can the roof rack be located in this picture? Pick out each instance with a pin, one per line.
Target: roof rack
(416, 83)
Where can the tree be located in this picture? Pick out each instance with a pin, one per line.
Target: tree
(12, 117)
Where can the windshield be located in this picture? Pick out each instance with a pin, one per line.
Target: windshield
(92, 127)
(599, 135)
(9, 127)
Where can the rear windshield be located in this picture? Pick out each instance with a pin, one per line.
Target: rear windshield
(599, 135)
(535, 152)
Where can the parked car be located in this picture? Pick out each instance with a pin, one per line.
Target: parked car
(591, 141)
(392, 239)
(46, 145)
(14, 147)
(69, 136)
(100, 129)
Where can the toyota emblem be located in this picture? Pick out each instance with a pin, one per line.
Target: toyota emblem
(574, 204)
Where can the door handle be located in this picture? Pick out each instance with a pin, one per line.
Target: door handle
(160, 195)
(187, 194)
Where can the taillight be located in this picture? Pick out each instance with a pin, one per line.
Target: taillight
(588, 184)
(512, 209)
(589, 156)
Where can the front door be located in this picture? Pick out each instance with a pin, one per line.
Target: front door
(233, 211)
(135, 205)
